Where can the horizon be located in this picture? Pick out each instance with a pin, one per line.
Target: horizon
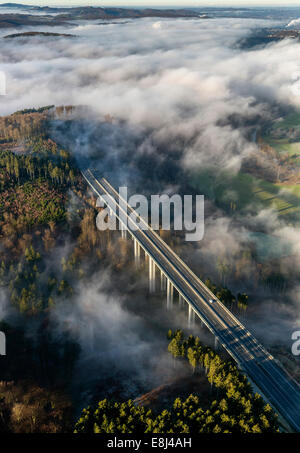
(157, 4)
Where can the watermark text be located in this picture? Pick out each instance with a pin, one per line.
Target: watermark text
(166, 212)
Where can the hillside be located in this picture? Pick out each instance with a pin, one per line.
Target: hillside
(63, 16)
(30, 34)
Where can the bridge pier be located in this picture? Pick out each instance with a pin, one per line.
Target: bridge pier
(162, 281)
(170, 292)
(180, 300)
(151, 275)
(191, 317)
(123, 231)
(137, 252)
(216, 344)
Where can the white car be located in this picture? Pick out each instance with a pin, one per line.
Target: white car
(212, 301)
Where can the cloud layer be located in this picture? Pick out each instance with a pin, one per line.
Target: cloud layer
(183, 94)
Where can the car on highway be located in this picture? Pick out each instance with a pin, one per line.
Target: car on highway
(212, 301)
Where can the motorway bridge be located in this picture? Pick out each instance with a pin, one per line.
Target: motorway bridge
(273, 382)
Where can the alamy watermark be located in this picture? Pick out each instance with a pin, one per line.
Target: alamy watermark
(2, 343)
(134, 213)
(296, 344)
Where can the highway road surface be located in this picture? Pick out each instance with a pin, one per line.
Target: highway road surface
(277, 386)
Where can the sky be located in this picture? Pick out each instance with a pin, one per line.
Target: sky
(157, 3)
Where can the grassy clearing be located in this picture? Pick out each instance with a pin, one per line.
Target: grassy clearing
(237, 192)
(290, 121)
(284, 144)
(294, 189)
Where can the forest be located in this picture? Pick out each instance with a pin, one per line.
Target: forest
(234, 407)
(48, 244)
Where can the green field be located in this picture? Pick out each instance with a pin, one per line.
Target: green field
(291, 120)
(238, 192)
(284, 144)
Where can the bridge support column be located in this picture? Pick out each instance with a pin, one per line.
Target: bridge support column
(123, 231)
(216, 343)
(180, 300)
(191, 317)
(170, 292)
(137, 252)
(151, 275)
(162, 281)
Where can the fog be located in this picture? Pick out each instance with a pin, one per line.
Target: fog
(183, 96)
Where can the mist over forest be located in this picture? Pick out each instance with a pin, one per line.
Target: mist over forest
(184, 105)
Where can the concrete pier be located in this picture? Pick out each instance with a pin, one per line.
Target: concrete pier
(152, 273)
(170, 293)
(137, 252)
(191, 317)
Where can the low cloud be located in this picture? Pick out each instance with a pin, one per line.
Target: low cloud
(182, 95)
